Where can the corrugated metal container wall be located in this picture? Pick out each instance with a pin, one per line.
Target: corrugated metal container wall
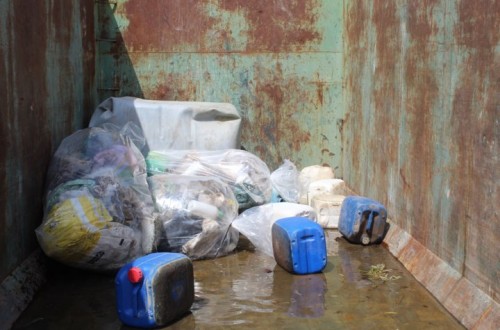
(400, 96)
(278, 62)
(47, 92)
(422, 135)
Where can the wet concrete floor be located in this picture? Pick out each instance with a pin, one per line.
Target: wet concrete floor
(247, 290)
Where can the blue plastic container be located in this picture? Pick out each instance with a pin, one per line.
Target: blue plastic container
(362, 220)
(154, 290)
(299, 245)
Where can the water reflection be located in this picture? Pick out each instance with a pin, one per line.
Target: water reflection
(247, 290)
(306, 292)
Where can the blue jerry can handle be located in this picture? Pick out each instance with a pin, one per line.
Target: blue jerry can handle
(365, 238)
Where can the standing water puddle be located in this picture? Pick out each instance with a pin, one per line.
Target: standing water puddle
(362, 287)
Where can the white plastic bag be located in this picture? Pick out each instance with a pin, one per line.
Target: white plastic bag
(246, 174)
(285, 183)
(256, 222)
(195, 214)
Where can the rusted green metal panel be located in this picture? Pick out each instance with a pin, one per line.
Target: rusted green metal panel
(279, 62)
(422, 131)
(46, 88)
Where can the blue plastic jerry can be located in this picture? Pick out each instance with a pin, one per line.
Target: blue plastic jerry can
(154, 290)
(362, 220)
(299, 245)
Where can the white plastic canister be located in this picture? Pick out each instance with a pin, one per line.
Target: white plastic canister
(326, 186)
(327, 208)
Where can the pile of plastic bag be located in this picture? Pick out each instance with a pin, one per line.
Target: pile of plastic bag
(117, 191)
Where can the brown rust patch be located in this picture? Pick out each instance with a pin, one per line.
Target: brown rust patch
(275, 106)
(278, 25)
(356, 32)
(421, 25)
(420, 99)
(174, 87)
(386, 94)
(479, 24)
(166, 25)
(356, 24)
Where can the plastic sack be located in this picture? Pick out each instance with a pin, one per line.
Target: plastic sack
(195, 214)
(174, 124)
(246, 174)
(98, 211)
(82, 229)
(285, 183)
(256, 222)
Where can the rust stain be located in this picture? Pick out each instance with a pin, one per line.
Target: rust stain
(356, 29)
(356, 24)
(386, 94)
(478, 25)
(320, 86)
(173, 87)
(275, 105)
(159, 25)
(278, 25)
(476, 135)
(422, 93)
(421, 22)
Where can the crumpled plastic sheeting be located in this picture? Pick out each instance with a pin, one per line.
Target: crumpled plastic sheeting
(256, 223)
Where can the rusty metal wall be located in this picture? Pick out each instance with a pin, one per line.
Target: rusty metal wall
(422, 123)
(279, 62)
(46, 92)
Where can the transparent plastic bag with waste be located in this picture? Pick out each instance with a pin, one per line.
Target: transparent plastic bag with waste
(285, 183)
(256, 222)
(246, 174)
(98, 211)
(194, 215)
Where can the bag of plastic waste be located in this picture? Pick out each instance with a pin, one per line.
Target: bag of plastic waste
(246, 174)
(256, 223)
(98, 211)
(285, 183)
(195, 214)
(174, 124)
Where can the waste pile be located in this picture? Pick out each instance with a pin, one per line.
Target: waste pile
(115, 191)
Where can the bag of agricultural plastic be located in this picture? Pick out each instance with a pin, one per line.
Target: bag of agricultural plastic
(174, 124)
(195, 214)
(98, 211)
(256, 223)
(246, 174)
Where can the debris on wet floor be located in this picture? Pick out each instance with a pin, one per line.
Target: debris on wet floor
(247, 289)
